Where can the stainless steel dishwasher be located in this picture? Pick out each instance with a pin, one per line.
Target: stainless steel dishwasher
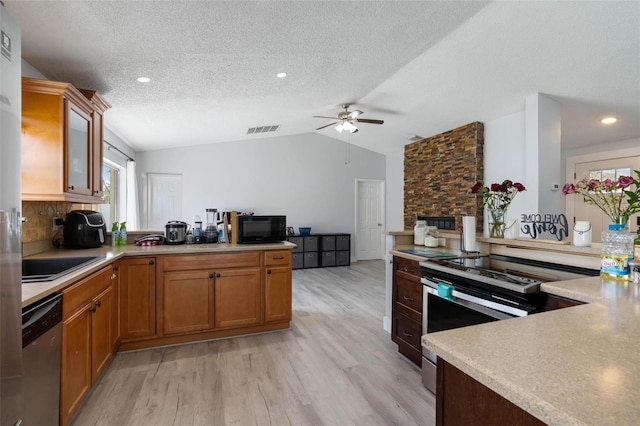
(41, 352)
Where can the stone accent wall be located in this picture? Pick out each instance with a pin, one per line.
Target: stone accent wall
(439, 172)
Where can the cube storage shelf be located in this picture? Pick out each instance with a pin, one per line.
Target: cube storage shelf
(320, 250)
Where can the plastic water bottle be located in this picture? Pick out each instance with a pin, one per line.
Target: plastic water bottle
(617, 251)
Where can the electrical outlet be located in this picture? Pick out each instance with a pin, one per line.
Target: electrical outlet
(57, 223)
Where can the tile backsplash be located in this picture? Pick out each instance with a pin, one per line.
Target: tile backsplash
(37, 231)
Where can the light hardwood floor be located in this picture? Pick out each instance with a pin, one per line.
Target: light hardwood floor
(335, 366)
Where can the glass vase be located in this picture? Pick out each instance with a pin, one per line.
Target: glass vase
(496, 223)
(621, 220)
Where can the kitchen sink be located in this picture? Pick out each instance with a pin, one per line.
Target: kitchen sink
(51, 268)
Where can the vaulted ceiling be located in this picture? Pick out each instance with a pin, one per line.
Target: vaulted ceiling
(421, 66)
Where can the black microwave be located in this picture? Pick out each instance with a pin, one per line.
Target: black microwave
(261, 229)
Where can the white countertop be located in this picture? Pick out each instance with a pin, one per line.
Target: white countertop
(578, 365)
(32, 292)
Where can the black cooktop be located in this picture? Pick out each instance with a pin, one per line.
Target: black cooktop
(509, 273)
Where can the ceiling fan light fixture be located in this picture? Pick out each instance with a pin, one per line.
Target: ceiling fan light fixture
(340, 128)
(349, 127)
(355, 113)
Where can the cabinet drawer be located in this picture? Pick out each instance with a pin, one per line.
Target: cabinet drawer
(343, 258)
(311, 259)
(277, 257)
(343, 242)
(298, 241)
(408, 297)
(328, 258)
(210, 261)
(328, 243)
(410, 269)
(297, 260)
(311, 243)
(407, 330)
(83, 291)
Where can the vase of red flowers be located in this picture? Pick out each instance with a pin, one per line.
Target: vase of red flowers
(497, 198)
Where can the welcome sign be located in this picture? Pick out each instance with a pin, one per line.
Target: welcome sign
(537, 224)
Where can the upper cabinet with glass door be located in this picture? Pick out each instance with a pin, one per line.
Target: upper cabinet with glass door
(61, 142)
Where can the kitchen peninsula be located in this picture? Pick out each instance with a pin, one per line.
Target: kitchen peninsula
(138, 297)
(570, 366)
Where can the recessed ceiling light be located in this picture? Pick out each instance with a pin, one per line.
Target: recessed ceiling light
(608, 120)
(144, 79)
(281, 75)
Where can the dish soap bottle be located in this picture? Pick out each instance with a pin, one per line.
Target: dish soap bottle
(123, 234)
(115, 234)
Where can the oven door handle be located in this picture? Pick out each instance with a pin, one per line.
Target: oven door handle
(498, 311)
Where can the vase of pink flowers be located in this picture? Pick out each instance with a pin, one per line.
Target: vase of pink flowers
(497, 198)
(618, 199)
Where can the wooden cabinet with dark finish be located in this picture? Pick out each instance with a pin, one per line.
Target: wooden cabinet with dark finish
(462, 400)
(138, 297)
(551, 302)
(406, 315)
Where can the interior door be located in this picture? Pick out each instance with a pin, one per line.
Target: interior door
(610, 168)
(370, 219)
(164, 199)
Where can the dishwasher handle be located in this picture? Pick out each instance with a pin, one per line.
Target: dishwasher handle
(40, 317)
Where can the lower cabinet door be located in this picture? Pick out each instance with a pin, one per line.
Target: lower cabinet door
(187, 301)
(237, 298)
(75, 376)
(101, 340)
(138, 297)
(277, 294)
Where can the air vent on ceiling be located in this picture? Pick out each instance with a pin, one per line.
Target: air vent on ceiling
(262, 129)
(415, 138)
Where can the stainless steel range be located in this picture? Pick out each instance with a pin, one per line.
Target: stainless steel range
(462, 292)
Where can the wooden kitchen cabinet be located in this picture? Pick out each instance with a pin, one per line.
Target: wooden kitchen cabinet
(138, 297)
(462, 400)
(406, 315)
(237, 297)
(277, 286)
(187, 301)
(100, 105)
(115, 306)
(62, 133)
(87, 345)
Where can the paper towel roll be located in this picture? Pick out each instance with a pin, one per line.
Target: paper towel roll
(469, 233)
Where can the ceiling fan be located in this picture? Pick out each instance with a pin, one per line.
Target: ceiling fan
(346, 119)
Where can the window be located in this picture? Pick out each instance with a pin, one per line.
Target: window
(612, 174)
(113, 193)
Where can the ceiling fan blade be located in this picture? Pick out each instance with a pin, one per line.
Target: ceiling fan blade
(367, 120)
(327, 125)
(324, 116)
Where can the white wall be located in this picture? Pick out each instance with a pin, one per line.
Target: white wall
(303, 177)
(505, 157)
(395, 191)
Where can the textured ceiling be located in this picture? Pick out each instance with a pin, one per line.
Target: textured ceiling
(422, 66)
